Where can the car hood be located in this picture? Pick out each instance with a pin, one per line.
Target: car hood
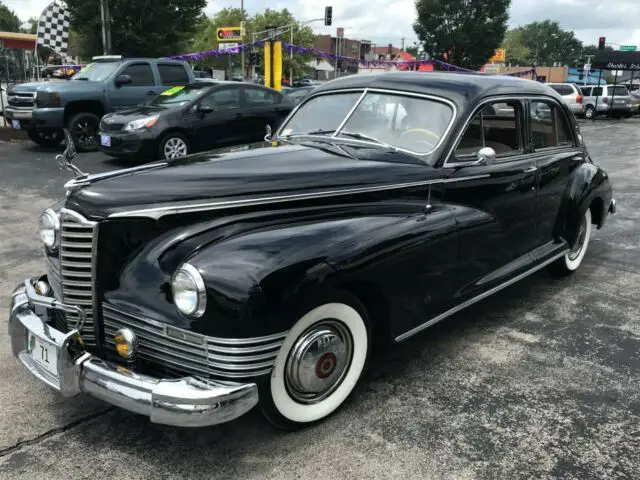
(26, 87)
(135, 113)
(252, 172)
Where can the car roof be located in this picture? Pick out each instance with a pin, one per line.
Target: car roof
(462, 88)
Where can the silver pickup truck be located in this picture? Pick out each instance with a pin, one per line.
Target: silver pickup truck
(614, 99)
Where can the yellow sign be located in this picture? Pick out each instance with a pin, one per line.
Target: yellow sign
(277, 66)
(267, 64)
(172, 91)
(499, 56)
(229, 34)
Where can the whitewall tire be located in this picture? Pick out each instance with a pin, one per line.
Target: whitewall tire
(319, 364)
(570, 262)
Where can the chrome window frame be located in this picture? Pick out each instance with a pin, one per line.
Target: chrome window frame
(558, 108)
(365, 91)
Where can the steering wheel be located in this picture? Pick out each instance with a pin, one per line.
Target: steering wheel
(421, 132)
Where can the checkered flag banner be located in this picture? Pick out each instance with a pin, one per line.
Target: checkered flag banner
(53, 28)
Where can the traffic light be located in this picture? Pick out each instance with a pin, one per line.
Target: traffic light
(601, 43)
(328, 12)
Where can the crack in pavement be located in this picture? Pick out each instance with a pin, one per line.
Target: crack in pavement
(33, 441)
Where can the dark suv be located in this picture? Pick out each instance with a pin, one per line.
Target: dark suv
(103, 86)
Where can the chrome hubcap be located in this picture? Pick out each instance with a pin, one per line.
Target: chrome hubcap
(582, 236)
(318, 362)
(175, 147)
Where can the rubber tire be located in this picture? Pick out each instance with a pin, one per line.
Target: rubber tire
(166, 137)
(91, 117)
(589, 112)
(273, 385)
(564, 266)
(37, 137)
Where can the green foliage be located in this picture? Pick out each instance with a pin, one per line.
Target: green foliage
(33, 26)
(149, 28)
(206, 38)
(470, 30)
(593, 49)
(548, 43)
(515, 50)
(9, 22)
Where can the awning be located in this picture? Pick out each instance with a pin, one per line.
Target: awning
(616, 60)
(322, 66)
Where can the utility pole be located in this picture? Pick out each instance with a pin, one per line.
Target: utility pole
(402, 48)
(241, 31)
(106, 27)
(586, 70)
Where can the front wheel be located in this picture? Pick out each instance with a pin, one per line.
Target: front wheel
(83, 128)
(319, 364)
(570, 262)
(173, 145)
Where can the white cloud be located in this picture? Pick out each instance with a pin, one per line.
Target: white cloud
(382, 21)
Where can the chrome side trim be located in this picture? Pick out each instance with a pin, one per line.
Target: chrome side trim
(482, 296)
(158, 212)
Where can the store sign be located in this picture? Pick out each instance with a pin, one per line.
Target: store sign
(499, 56)
(230, 34)
(628, 48)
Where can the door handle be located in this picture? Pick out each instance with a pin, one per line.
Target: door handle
(240, 115)
(151, 92)
(530, 169)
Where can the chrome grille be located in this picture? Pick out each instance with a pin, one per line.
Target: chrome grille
(77, 242)
(21, 99)
(202, 356)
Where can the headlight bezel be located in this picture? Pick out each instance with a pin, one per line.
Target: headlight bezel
(55, 226)
(140, 124)
(199, 290)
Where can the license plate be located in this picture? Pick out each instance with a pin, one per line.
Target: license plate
(105, 140)
(15, 124)
(44, 354)
(620, 101)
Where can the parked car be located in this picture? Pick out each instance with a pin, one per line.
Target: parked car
(191, 290)
(108, 84)
(191, 118)
(571, 95)
(297, 94)
(613, 100)
(635, 102)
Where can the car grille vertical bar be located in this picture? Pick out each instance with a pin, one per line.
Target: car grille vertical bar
(77, 244)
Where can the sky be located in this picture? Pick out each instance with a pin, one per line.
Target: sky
(387, 21)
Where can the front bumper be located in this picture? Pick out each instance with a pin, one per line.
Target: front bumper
(184, 402)
(141, 144)
(48, 118)
(22, 115)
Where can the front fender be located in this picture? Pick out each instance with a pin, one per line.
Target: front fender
(587, 184)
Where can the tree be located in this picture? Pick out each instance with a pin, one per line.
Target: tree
(548, 43)
(515, 51)
(593, 49)
(413, 50)
(9, 22)
(33, 26)
(468, 31)
(148, 28)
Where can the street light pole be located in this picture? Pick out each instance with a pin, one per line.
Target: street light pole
(242, 52)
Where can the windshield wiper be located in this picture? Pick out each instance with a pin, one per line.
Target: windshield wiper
(81, 78)
(361, 136)
(320, 131)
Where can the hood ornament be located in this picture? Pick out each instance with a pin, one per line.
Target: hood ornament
(267, 137)
(65, 159)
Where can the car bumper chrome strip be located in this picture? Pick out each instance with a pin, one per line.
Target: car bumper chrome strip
(183, 402)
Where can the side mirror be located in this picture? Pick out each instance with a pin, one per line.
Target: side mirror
(205, 109)
(486, 156)
(123, 80)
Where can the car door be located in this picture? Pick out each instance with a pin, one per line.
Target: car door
(223, 122)
(498, 222)
(263, 107)
(555, 150)
(141, 90)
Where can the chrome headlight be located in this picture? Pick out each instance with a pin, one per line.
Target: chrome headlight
(141, 123)
(189, 293)
(49, 229)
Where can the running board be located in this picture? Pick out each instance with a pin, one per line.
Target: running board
(482, 296)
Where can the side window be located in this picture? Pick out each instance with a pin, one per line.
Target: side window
(597, 91)
(259, 97)
(495, 126)
(172, 74)
(586, 91)
(141, 75)
(225, 99)
(549, 128)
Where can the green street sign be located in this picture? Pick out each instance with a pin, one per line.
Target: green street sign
(628, 48)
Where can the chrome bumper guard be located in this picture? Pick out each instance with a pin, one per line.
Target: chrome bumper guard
(612, 207)
(184, 402)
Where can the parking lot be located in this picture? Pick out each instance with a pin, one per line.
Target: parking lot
(539, 381)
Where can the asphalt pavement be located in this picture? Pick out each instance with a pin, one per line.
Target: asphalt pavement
(538, 381)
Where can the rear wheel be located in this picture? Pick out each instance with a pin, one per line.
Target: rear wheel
(570, 262)
(589, 112)
(83, 128)
(319, 364)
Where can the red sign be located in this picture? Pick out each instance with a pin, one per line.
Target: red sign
(229, 33)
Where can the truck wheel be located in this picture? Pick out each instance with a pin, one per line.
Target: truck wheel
(83, 128)
(46, 139)
(589, 112)
(319, 364)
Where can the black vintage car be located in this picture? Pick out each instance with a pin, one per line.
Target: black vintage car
(190, 118)
(193, 289)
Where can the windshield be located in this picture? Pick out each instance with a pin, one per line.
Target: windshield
(414, 124)
(177, 96)
(96, 72)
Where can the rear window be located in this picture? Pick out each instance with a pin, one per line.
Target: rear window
(172, 74)
(563, 89)
(617, 91)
